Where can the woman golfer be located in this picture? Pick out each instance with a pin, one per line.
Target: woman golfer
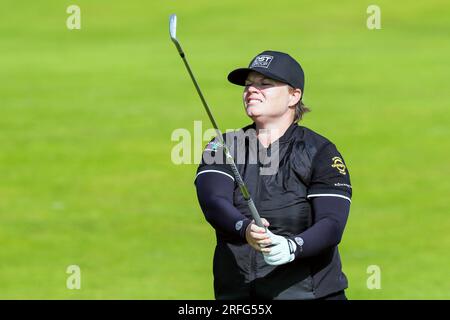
(299, 183)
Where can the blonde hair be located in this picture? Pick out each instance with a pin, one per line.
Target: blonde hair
(300, 108)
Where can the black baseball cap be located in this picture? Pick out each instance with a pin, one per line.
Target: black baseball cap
(272, 64)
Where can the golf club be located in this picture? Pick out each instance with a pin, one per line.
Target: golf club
(229, 157)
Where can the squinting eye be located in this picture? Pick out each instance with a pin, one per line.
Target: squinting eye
(257, 84)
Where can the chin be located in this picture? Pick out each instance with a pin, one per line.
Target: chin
(254, 110)
(252, 114)
(255, 117)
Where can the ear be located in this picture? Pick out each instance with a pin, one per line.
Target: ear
(295, 96)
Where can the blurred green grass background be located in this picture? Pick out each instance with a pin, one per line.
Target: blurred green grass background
(86, 118)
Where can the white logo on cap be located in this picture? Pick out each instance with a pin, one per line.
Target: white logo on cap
(262, 61)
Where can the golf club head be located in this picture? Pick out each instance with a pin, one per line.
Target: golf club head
(173, 26)
(173, 33)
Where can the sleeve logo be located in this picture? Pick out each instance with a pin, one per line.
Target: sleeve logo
(339, 164)
(212, 146)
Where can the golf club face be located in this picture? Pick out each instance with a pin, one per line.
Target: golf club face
(173, 33)
(173, 27)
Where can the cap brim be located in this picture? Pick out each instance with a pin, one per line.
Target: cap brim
(239, 76)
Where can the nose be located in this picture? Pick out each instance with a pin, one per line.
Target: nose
(252, 88)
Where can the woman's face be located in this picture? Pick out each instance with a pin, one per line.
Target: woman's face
(265, 98)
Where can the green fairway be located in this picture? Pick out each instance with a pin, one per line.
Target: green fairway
(86, 118)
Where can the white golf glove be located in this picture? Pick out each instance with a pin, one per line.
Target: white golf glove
(281, 250)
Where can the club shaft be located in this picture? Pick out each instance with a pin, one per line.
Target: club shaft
(229, 158)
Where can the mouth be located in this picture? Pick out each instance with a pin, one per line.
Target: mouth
(252, 101)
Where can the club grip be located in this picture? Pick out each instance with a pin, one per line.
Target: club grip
(255, 214)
